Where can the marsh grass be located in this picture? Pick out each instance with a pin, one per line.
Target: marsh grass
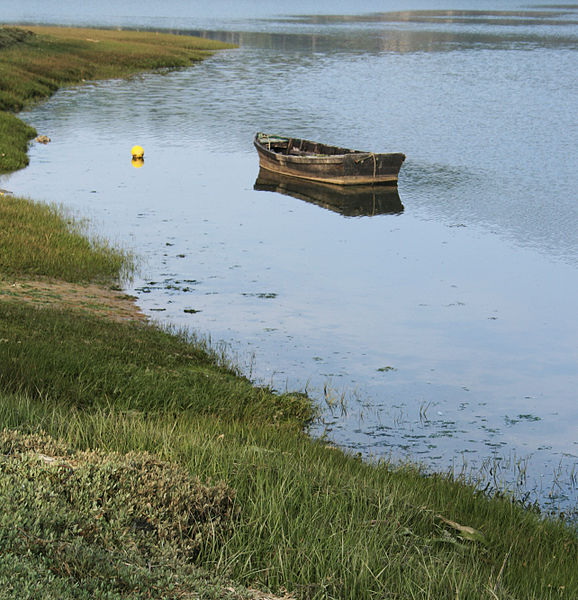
(87, 362)
(14, 137)
(325, 525)
(37, 61)
(40, 240)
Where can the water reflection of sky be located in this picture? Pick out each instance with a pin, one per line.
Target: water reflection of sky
(450, 326)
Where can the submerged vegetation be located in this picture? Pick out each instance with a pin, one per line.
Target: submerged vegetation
(36, 61)
(136, 462)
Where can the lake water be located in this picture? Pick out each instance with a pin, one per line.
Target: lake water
(439, 326)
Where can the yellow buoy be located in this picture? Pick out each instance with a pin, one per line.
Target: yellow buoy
(137, 151)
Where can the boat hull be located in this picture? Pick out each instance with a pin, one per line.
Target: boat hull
(330, 164)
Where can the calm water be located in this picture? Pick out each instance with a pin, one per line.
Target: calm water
(443, 321)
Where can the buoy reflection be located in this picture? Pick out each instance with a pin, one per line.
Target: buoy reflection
(137, 163)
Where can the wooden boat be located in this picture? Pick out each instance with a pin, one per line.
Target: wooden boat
(347, 200)
(330, 164)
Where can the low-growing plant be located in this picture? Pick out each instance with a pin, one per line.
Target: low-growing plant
(107, 524)
(111, 499)
(12, 35)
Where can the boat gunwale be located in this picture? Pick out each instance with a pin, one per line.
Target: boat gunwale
(357, 155)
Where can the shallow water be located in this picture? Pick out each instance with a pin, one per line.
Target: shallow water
(445, 326)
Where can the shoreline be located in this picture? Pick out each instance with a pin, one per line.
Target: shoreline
(312, 519)
(56, 57)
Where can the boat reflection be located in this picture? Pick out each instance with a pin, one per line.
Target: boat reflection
(349, 201)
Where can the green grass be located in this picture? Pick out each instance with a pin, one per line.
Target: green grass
(37, 61)
(42, 240)
(89, 362)
(324, 524)
(14, 138)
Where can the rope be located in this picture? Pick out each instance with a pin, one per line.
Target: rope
(371, 155)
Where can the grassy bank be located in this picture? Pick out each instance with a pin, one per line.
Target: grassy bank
(38, 239)
(36, 61)
(306, 516)
(168, 475)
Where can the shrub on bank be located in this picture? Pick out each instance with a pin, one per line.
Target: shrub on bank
(112, 525)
